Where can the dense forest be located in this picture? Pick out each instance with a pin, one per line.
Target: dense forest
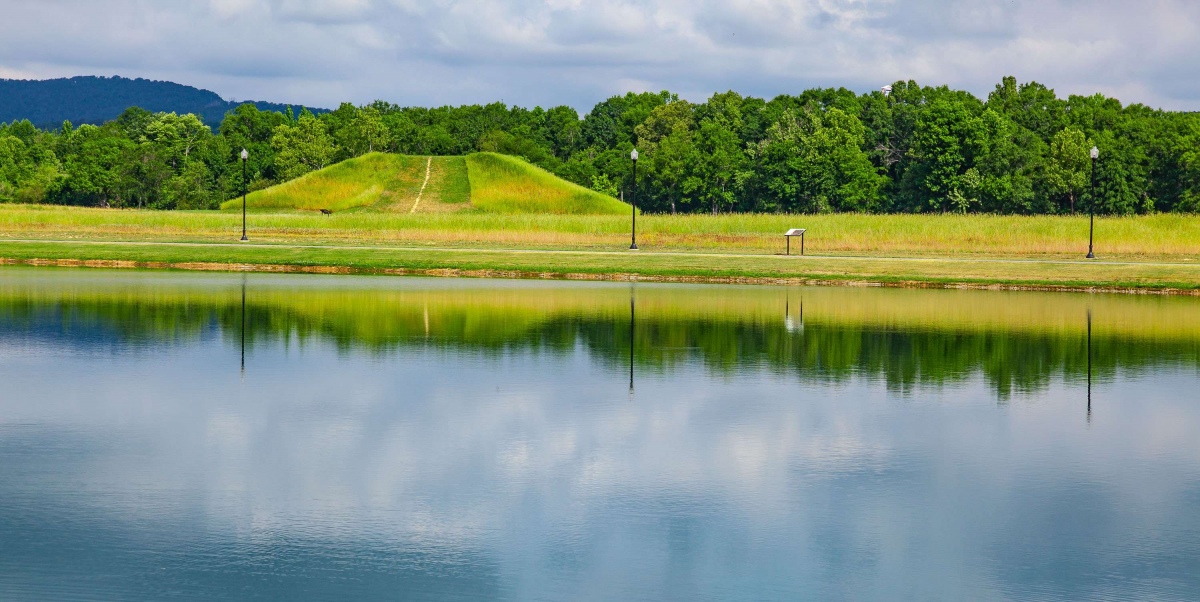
(96, 100)
(1022, 150)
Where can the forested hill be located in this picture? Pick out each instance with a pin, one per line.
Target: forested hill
(89, 99)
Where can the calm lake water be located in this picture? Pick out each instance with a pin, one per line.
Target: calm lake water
(264, 437)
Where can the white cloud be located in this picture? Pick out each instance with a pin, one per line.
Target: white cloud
(323, 11)
(6, 73)
(576, 52)
(227, 9)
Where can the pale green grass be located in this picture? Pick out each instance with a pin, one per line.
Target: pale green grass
(503, 184)
(357, 182)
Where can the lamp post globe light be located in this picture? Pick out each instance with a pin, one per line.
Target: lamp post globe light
(633, 202)
(244, 155)
(1095, 154)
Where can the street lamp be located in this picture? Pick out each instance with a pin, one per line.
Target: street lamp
(1092, 205)
(245, 155)
(633, 203)
(887, 91)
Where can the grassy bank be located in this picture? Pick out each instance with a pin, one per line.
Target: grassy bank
(1150, 238)
(1149, 253)
(685, 267)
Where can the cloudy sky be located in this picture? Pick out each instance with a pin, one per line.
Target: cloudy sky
(576, 52)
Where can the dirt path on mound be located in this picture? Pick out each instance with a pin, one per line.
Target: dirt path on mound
(428, 165)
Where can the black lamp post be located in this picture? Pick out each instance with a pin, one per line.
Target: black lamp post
(1092, 205)
(633, 202)
(245, 155)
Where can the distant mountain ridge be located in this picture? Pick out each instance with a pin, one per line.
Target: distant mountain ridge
(91, 99)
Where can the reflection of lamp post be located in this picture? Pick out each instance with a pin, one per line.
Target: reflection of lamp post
(632, 319)
(633, 202)
(1092, 207)
(243, 327)
(1089, 375)
(245, 155)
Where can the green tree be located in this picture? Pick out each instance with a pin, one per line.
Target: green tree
(722, 163)
(15, 167)
(1031, 106)
(189, 189)
(602, 184)
(176, 136)
(564, 131)
(248, 128)
(611, 123)
(302, 147)
(92, 170)
(947, 138)
(143, 172)
(499, 141)
(1069, 166)
(369, 132)
(813, 162)
(666, 138)
(1006, 160)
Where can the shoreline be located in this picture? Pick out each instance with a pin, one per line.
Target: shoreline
(596, 276)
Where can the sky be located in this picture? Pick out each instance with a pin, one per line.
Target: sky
(577, 53)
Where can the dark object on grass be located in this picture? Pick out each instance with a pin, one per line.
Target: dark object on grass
(326, 212)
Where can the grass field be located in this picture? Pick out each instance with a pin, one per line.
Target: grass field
(503, 184)
(1145, 238)
(682, 267)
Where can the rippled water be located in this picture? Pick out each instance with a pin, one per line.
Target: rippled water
(192, 436)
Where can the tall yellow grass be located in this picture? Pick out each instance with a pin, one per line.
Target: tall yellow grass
(1166, 236)
(355, 182)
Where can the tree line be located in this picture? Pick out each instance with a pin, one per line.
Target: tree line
(1022, 150)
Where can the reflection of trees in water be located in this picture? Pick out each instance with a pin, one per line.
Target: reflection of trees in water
(906, 359)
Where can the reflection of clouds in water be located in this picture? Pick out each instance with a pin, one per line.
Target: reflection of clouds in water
(537, 460)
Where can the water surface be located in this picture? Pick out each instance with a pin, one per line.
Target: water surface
(259, 437)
